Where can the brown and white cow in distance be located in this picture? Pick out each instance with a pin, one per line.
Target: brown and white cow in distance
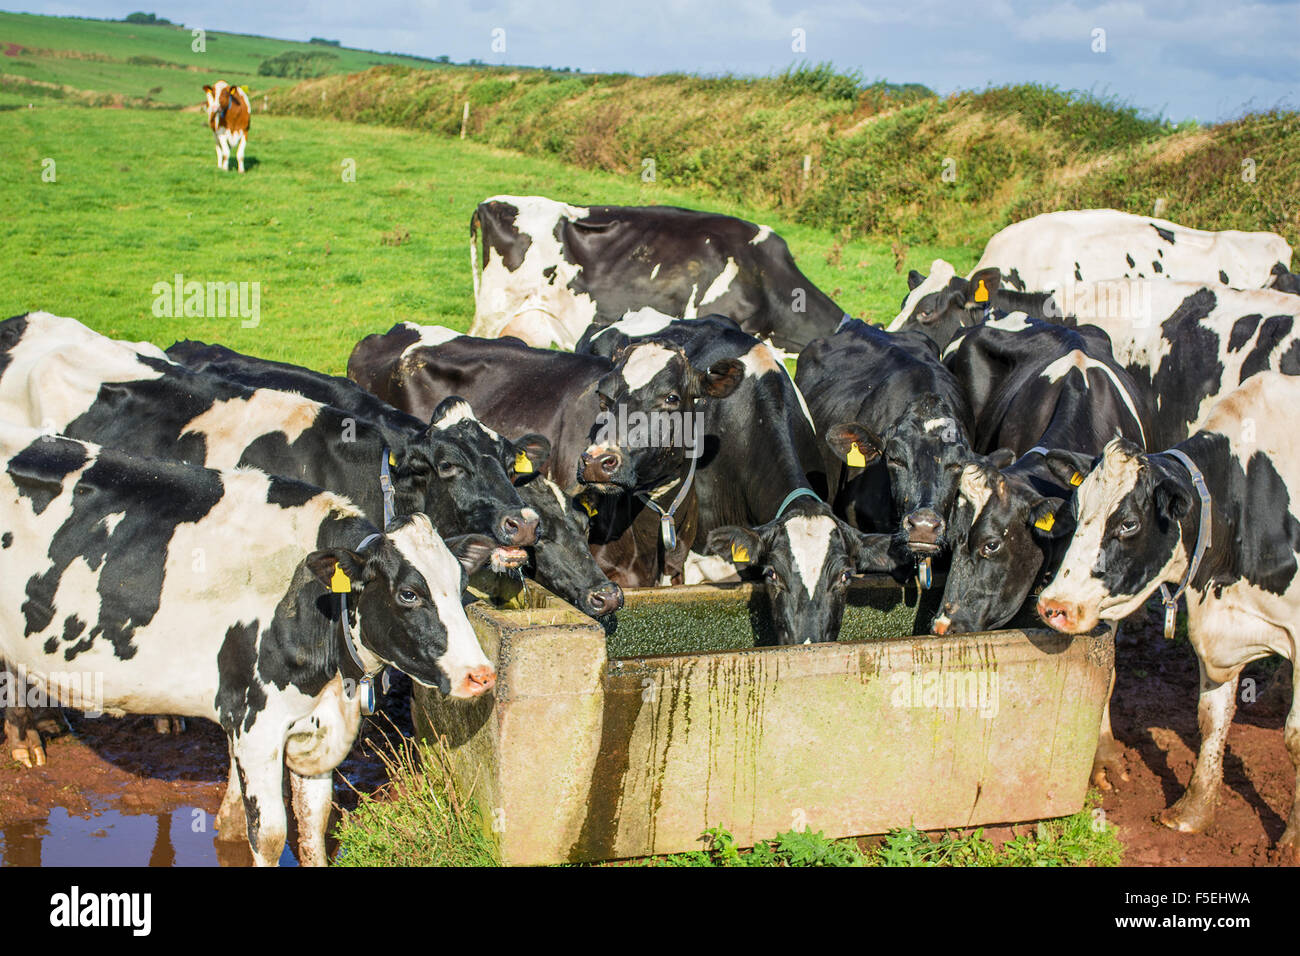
(228, 114)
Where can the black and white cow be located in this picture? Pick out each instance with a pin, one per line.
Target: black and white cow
(1033, 387)
(897, 428)
(149, 586)
(560, 559)
(1142, 523)
(58, 375)
(943, 303)
(550, 269)
(606, 423)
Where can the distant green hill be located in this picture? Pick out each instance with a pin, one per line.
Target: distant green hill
(151, 64)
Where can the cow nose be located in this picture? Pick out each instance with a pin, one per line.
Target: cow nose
(1058, 614)
(924, 528)
(601, 467)
(603, 600)
(519, 530)
(941, 623)
(478, 680)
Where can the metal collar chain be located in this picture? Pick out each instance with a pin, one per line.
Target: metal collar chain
(667, 524)
(1203, 542)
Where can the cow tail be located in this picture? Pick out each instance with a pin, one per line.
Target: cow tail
(473, 255)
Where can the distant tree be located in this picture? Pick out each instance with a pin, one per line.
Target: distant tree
(442, 59)
(321, 41)
(148, 19)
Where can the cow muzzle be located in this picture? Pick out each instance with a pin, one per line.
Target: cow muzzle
(600, 466)
(1066, 616)
(602, 600)
(924, 528)
(475, 682)
(519, 530)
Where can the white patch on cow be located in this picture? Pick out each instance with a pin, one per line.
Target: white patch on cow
(655, 271)
(940, 424)
(974, 489)
(940, 273)
(644, 361)
(810, 541)
(461, 412)
(229, 425)
(645, 321)
(708, 569)
(426, 552)
(1011, 322)
(430, 335)
(721, 285)
(1082, 361)
(764, 358)
(691, 311)
(763, 233)
(111, 521)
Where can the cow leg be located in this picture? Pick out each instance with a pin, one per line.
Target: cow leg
(1109, 756)
(231, 825)
(169, 724)
(239, 152)
(313, 798)
(260, 770)
(221, 156)
(22, 739)
(1290, 842)
(1194, 811)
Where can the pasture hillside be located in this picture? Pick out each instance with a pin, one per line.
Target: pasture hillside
(897, 163)
(103, 204)
(102, 62)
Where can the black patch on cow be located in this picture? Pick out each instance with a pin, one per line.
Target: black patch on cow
(1265, 548)
(1160, 252)
(500, 233)
(240, 697)
(1013, 279)
(1223, 277)
(1163, 233)
(1129, 258)
(153, 498)
(1077, 274)
(1155, 264)
(40, 469)
(6, 539)
(1274, 329)
(1289, 363)
(550, 272)
(288, 493)
(11, 333)
(73, 627)
(1243, 330)
(1189, 374)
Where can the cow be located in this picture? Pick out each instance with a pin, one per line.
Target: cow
(550, 269)
(228, 114)
(761, 481)
(896, 424)
(622, 432)
(1284, 280)
(560, 559)
(943, 303)
(259, 602)
(1034, 387)
(1215, 517)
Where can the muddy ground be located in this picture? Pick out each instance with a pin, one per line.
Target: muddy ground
(115, 791)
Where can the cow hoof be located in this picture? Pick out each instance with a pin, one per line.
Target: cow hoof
(1187, 819)
(169, 725)
(1288, 848)
(1106, 765)
(29, 756)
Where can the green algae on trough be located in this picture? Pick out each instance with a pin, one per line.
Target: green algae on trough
(732, 617)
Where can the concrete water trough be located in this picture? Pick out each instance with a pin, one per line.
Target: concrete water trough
(597, 746)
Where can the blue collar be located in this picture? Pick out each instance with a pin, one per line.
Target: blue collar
(797, 493)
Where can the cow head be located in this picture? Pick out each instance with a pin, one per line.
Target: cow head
(406, 589)
(924, 450)
(808, 558)
(647, 405)
(460, 472)
(1000, 531)
(1128, 538)
(943, 303)
(562, 561)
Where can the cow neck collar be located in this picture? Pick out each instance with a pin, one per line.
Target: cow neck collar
(355, 671)
(667, 519)
(792, 497)
(386, 486)
(1203, 541)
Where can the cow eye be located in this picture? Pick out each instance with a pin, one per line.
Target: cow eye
(673, 400)
(1128, 527)
(845, 577)
(772, 578)
(408, 597)
(449, 469)
(991, 547)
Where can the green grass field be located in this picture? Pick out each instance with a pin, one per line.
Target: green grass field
(137, 198)
(97, 55)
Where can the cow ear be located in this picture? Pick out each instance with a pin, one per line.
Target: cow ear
(1002, 458)
(339, 569)
(878, 553)
(854, 443)
(471, 550)
(740, 546)
(1068, 467)
(722, 378)
(531, 453)
(1172, 500)
(914, 279)
(1045, 519)
(983, 285)
(207, 88)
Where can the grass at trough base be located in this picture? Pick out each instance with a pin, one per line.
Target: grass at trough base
(420, 819)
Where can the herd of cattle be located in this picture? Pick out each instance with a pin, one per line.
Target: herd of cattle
(1096, 412)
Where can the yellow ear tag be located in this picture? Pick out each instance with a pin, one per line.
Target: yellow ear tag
(981, 293)
(391, 460)
(522, 465)
(588, 507)
(855, 458)
(340, 583)
(1076, 479)
(739, 554)
(1045, 522)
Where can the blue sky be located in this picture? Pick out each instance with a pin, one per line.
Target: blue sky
(1184, 58)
